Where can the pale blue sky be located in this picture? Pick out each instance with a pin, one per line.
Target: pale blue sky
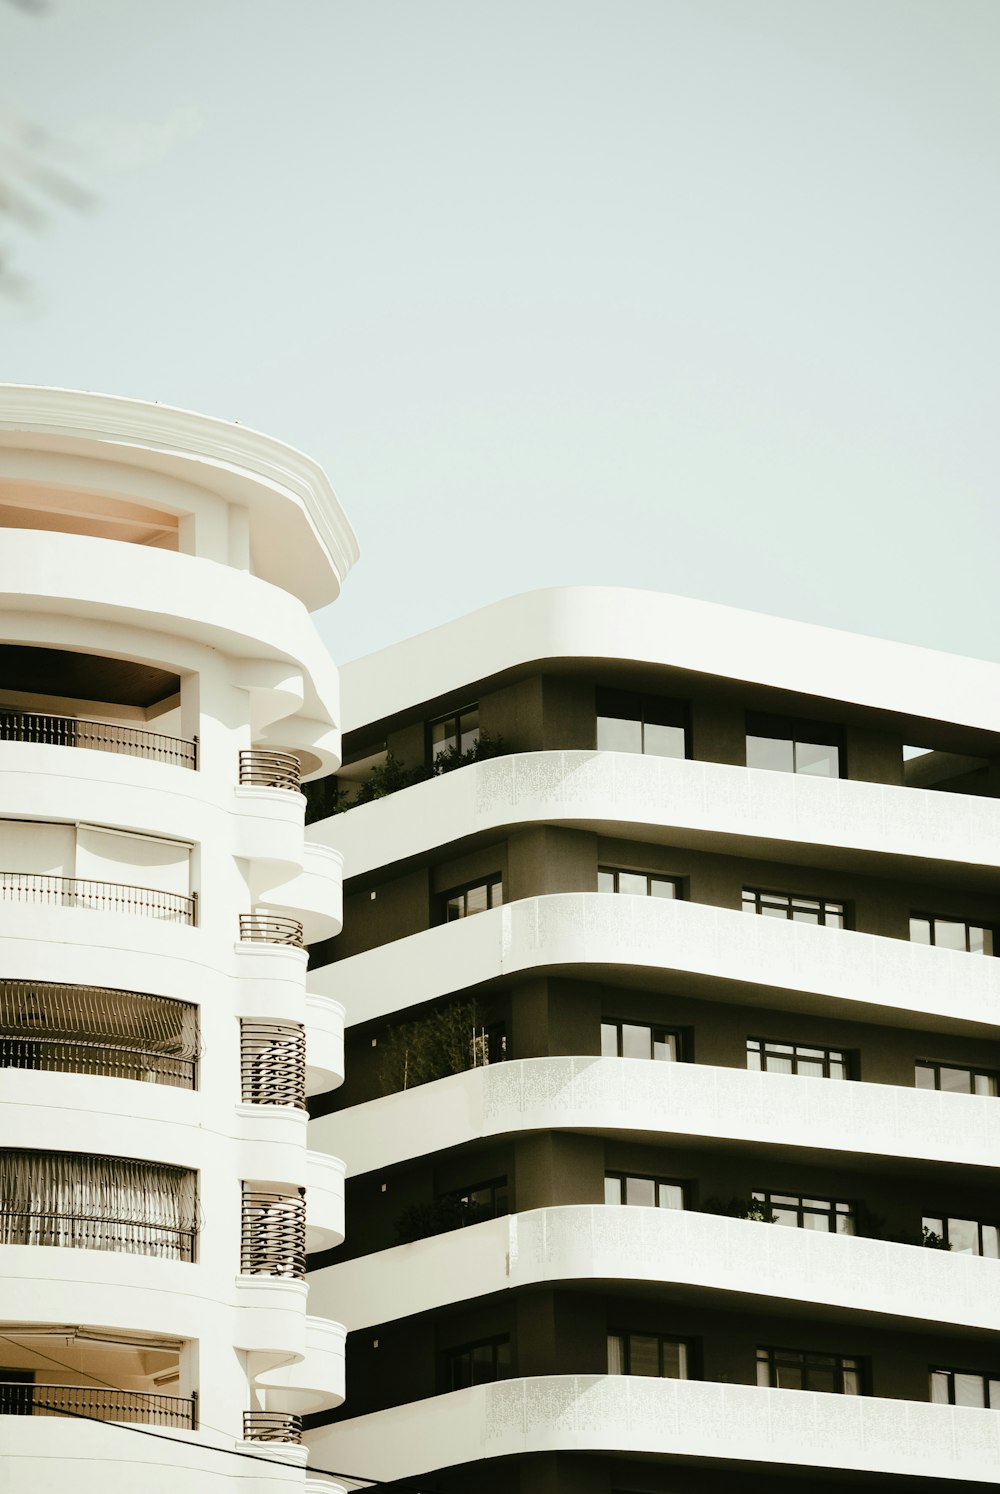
(694, 295)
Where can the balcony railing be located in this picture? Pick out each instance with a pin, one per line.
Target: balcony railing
(273, 1063)
(99, 736)
(281, 770)
(271, 928)
(274, 1234)
(139, 1406)
(102, 897)
(272, 1426)
(90, 1232)
(97, 1030)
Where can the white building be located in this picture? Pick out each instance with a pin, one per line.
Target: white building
(162, 687)
(515, 1078)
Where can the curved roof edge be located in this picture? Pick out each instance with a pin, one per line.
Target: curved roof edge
(82, 415)
(617, 624)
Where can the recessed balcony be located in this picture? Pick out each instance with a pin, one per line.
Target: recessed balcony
(97, 736)
(95, 1374)
(98, 897)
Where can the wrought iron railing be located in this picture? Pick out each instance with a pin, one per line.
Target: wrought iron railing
(271, 928)
(141, 1406)
(281, 770)
(274, 1234)
(273, 1063)
(90, 1232)
(97, 1030)
(272, 1426)
(100, 736)
(103, 897)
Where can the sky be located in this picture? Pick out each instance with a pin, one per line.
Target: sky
(696, 296)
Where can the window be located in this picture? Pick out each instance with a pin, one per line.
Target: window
(650, 724)
(955, 1081)
(824, 1214)
(796, 1058)
(638, 1040)
(951, 1387)
(952, 933)
(479, 1201)
(816, 910)
(786, 745)
(644, 1193)
(489, 1044)
(456, 732)
(477, 897)
(614, 879)
(478, 1364)
(965, 1236)
(647, 1354)
(804, 1369)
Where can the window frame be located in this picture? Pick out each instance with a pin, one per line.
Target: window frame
(836, 1208)
(797, 731)
(967, 923)
(847, 1058)
(452, 743)
(495, 1343)
(754, 897)
(681, 1039)
(493, 880)
(464, 1194)
(974, 1072)
(642, 708)
(678, 1341)
(988, 1377)
(928, 1221)
(618, 871)
(613, 1175)
(768, 1355)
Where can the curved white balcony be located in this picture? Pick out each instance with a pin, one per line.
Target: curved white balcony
(596, 1243)
(653, 1101)
(269, 1317)
(763, 959)
(268, 826)
(316, 1381)
(53, 1453)
(711, 806)
(324, 1043)
(315, 894)
(324, 1201)
(742, 1424)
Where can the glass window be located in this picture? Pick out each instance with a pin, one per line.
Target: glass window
(790, 905)
(805, 1369)
(828, 1215)
(796, 1058)
(950, 1387)
(651, 724)
(952, 933)
(954, 1080)
(478, 1364)
(482, 1200)
(456, 732)
(639, 884)
(647, 1354)
(964, 1236)
(784, 744)
(639, 1040)
(642, 1192)
(463, 902)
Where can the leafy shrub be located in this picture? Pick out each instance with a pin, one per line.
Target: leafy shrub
(442, 1043)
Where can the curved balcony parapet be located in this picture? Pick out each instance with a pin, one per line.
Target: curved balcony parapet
(899, 981)
(324, 1201)
(653, 1247)
(316, 1381)
(710, 805)
(98, 736)
(685, 1419)
(602, 1096)
(324, 1043)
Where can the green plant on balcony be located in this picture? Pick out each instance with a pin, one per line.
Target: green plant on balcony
(446, 1041)
(391, 775)
(420, 1221)
(740, 1208)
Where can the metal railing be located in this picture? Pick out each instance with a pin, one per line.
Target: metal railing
(141, 1406)
(99, 736)
(90, 1232)
(272, 1426)
(66, 1056)
(273, 1063)
(271, 928)
(273, 1241)
(281, 770)
(103, 897)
